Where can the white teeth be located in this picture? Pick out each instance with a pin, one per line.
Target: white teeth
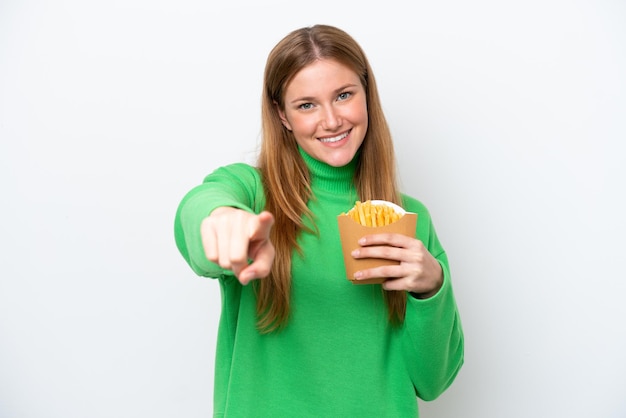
(335, 138)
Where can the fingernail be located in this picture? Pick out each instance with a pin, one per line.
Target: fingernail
(358, 275)
(355, 253)
(362, 241)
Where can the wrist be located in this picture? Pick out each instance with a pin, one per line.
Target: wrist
(426, 295)
(429, 293)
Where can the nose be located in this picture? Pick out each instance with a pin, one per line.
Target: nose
(331, 119)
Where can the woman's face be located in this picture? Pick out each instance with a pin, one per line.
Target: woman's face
(326, 109)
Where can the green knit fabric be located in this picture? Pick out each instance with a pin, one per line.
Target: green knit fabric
(338, 356)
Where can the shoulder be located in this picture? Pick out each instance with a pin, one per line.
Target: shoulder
(411, 204)
(424, 230)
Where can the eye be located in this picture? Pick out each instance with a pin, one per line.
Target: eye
(305, 106)
(345, 95)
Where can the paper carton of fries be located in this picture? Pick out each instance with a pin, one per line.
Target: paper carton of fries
(371, 217)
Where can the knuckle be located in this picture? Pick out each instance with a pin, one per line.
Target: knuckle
(212, 257)
(223, 263)
(416, 271)
(237, 260)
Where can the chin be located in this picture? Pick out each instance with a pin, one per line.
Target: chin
(339, 162)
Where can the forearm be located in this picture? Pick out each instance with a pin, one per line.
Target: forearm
(434, 341)
(234, 186)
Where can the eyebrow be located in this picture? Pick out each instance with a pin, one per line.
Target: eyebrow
(311, 98)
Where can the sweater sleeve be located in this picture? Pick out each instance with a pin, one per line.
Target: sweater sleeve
(432, 333)
(235, 185)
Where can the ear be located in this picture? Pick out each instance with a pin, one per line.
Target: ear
(283, 117)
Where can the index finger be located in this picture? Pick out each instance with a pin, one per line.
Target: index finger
(261, 226)
(392, 239)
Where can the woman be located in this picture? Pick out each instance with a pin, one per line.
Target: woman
(295, 337)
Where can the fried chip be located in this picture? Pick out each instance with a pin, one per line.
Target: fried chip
(373, 214)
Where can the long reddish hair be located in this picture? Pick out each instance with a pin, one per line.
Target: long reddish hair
(285, 176)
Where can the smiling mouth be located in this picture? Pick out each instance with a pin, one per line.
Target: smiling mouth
(334, 138)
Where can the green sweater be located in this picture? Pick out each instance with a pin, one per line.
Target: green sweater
(338, 355)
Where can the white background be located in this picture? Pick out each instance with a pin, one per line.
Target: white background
(509, 122)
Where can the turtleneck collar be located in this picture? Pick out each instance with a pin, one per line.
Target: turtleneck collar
(327, 177)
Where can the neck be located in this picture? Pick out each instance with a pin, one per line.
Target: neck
(327, 177)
